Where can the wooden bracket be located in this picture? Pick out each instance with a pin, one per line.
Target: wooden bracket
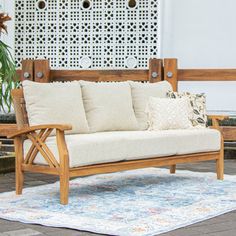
(27, 72)
(42, 71)
(39, 146)
(35, 70)
(155, 70)
(171, 72)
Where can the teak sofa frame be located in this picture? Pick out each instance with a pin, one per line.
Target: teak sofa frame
(40, 71)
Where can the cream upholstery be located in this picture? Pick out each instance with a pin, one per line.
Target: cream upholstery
(108, 106)
(140, 95)
(55, 103)
(87, 149)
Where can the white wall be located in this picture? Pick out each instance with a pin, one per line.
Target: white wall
(202, 34)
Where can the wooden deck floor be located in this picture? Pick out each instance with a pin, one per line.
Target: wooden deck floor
(220, 226)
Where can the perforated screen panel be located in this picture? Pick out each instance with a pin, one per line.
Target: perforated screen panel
(80, 34)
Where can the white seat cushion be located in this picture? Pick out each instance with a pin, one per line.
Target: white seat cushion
(87, 149)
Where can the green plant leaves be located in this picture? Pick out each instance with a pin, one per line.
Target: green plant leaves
(8, 79)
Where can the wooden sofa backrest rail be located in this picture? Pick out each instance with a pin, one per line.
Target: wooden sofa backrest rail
(39, 71)
(166, 69)
(173, 74)
(207, 75)
(99, 75)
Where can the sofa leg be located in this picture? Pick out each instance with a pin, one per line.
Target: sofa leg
(172, 169)
(64, 167)
(19, 181)
(220, 162)
(220, 168)
(64, 189)
(19, 174)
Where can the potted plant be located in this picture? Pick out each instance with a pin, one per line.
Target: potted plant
(8, 79)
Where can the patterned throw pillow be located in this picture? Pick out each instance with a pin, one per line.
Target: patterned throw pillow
(166, 114)
(197, 114)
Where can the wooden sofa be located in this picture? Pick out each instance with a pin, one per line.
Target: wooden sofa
(39, 71)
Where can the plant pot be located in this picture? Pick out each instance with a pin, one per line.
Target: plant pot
(7, 162)
(229, 122)
(7, 156)
(9, 118)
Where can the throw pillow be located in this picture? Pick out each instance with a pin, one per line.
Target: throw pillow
(108, 106)
(167, 113)
(55, 103)
(197, 114)
(140, 95)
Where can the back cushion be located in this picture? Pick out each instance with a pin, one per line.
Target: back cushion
(108, 106)
(140, 95)
(55, 103)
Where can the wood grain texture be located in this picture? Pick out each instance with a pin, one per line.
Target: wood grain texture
(20, 108)
(220, 162)
(41, 169)
(99, 75)
(140, 75)
(171, 72)
(40, 147)
(137, 164)
(172, 169)
(229, 133)
(42, 71)
(64, 167)
(27, 130)
(7, 129)
(207, 75)
(27, 68)
(155, 73)
(18, 142)
(30, 156)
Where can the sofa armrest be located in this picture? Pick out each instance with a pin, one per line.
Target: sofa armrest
(38, 136)
(30, 129)
(216, 120)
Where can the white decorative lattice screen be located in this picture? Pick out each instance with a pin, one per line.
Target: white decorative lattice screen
(79, 34)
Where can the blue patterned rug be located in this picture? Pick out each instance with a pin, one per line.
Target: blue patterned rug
(132, 203)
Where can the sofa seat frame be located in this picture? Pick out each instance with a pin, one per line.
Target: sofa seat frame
(39, 134)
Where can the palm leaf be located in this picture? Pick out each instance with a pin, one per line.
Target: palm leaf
(8, 79)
